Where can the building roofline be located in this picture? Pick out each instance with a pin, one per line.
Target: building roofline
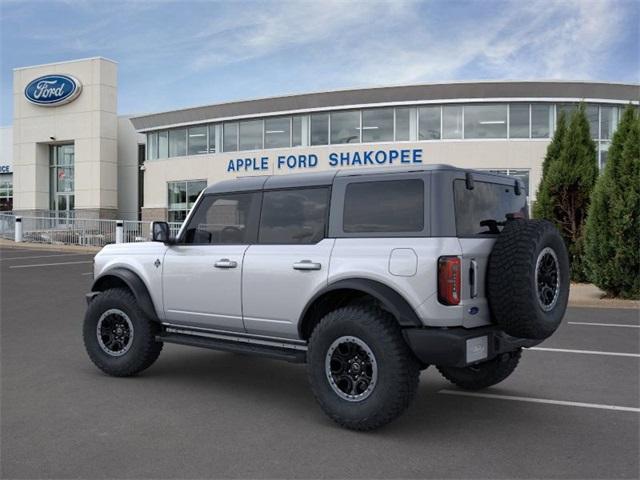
(393, 94)
(65, 61)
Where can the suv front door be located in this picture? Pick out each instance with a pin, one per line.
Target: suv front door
(289, 264)
(202, 274)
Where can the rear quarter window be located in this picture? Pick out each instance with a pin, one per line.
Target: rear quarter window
(481, 211)
(391, 206)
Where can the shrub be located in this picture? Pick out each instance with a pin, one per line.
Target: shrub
(612, 236)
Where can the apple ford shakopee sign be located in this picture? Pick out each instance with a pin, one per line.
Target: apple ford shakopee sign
(53, 90)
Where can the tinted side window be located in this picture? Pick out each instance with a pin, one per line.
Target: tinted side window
(384, 206)
(294, 216)
(224, 219)
(487, 203)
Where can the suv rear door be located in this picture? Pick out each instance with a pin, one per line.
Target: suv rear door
(290, 262)
(479, 213)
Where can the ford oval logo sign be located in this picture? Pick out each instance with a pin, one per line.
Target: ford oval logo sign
(53, 90)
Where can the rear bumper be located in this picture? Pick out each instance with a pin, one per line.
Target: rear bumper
(460, 347)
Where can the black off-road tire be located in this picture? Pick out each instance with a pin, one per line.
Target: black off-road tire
(512, 290)
(483, 375)
(397, 369)
(144, 349)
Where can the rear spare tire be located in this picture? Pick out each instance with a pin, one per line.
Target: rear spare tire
(528, 279)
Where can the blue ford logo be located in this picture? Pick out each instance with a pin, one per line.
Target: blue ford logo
(52, 90)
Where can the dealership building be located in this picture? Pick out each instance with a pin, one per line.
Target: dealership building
(70, 152)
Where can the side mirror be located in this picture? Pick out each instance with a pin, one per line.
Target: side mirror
(160, 232)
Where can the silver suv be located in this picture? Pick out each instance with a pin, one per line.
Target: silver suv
(367, 276)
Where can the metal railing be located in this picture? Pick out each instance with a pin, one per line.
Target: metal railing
(77, 231)
(7, 226)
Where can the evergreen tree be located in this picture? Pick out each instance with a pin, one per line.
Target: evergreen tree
(543, 207)
(569, 182)
(612, 236)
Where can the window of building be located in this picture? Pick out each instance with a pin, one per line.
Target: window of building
(181, 197)
(152, 146)
(541, 120)
(608, 122)
(320, 129)
(377, 125)
(490, 202)
(230, 137)
(163, 144)
(178, 142)
(197, 140)
(345, 127)
(485, 121)
(519, 120)
(224, 219)
(251, 135)
(384, 206)
(452, 121)
(295, 216)
(592, 116)
(604, 153)
(212, 138)
(6, 192)
(521, 174)
(403, 124)
(277, 132)
(429, 123)
(296, 131)
(61, 184)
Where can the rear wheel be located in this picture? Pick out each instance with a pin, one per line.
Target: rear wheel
(361, 371)
(118, 336)
(483, 375)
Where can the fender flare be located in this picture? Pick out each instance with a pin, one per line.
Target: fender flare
(135, 284)
(392, 301)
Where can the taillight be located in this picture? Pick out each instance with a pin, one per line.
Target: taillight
(449, 280)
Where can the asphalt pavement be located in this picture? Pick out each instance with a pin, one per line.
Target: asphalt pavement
(570, 410)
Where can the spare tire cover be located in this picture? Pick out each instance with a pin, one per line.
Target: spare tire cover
(528, 279)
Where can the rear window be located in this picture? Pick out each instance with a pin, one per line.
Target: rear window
(385, 206)
(481, 211)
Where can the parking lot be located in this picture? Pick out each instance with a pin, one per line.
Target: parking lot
(571, 409)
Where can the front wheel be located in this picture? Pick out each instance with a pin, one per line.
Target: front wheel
(118, 336)
(483, 375)
(361, 371)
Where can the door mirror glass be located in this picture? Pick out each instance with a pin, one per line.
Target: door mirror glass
(160, 232)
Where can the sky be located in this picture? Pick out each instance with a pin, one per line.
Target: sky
(176, 54)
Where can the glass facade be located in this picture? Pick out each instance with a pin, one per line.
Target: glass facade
(6, 192)
(474, 121)
(485, 121)
(403, 124)
(277, 132)
(181, 197)
(377, 125)
(61, 179)
(452, 121)
(429, 123)
(345, 127)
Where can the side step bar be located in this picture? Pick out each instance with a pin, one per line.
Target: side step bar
(277, 352)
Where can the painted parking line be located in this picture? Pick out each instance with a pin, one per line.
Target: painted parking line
(604, 324)
(540, 400)
(44, 256)
(88, 273)
(587, 352)
(50, 264)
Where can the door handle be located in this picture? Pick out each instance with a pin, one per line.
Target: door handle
(473, 280)
(225, 263)
(306, 265)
